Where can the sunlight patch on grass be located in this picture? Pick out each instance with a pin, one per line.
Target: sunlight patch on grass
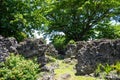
(69, 69)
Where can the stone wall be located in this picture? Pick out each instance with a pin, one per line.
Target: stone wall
(7, 45)
(90, 54)
(28, 48)
(36, 47)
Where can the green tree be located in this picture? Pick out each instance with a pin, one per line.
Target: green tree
(19, 18)
(108, 31)
(59, 42)
(78, 19)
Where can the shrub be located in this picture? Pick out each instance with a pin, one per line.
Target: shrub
(17, 68)
(117, 67)
(106, 68)
(72, 42)
(98, 70)
(59, 42)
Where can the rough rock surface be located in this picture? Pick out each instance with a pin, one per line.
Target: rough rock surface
(28, 48)
(91, 53)
(7, 45)
(65, 76)
(36, 47)
(71, 50)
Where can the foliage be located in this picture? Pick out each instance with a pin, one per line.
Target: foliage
(117, 67)
(17, 68)
(71, 42)
(117, 30)
(98, 70)
(108, 68)
(59, 42)
(78, 19)
(107, 31)
(19, 18)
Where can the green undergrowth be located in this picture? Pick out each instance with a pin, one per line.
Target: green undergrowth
(106, 69)
(17, 67)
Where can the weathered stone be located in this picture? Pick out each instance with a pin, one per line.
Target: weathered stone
(112, 77)
(65, 76)
(71, 50)
(50, 72)
(67, 60)
(28, 48)
(7, 46)
(36, 47)
(47, 76)
(92, 53)
(51, 50)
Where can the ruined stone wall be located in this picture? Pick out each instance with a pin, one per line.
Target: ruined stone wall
(7, 45)
(90, 54)
(36, 47)
(28, 48)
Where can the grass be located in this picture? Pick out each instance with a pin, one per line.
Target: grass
(68, 68)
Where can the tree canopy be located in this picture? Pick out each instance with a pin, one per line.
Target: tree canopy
(19, 18)
(79, 19)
